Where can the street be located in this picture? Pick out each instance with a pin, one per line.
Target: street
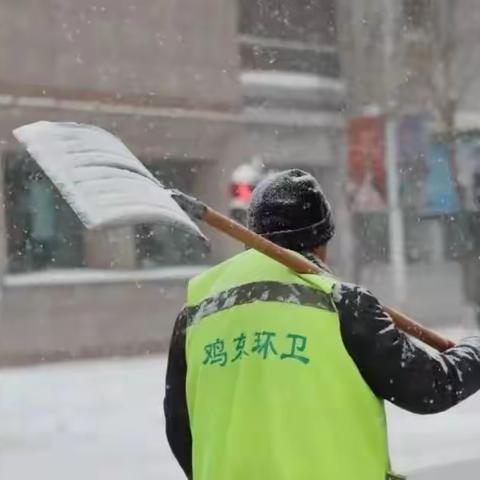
(103, 420)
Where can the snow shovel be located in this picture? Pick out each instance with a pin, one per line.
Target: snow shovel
(106, 185)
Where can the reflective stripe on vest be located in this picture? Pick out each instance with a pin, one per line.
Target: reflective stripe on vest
(296, 294)
(272, 393)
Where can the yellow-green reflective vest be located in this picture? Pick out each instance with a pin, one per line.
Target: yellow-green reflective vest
(272, 393)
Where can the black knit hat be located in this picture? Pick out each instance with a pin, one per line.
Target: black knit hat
(290, 209)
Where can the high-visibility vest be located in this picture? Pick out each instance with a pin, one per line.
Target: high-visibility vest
(272, 392)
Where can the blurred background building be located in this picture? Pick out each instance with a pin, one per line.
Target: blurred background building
(429, 84)
(213, 96)
(194, 89)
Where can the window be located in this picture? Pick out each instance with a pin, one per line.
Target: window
(289, 35)
(161, 245)
(43, 232)
(417, 14)
(308, 21)
(257, 57)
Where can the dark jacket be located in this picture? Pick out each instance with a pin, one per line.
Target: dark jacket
(394, 367)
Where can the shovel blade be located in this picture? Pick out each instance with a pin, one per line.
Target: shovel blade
(98, 176)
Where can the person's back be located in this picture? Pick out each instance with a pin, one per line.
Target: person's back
(265, 357)
(275, 375)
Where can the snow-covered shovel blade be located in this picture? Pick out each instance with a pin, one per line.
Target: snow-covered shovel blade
(103, 182)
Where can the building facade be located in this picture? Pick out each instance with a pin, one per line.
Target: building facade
(194, 89)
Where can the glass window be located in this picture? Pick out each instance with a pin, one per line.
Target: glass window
(281, 58)
(289, 35)
(311, 21)
(372, 235)
(417, 14)
(43, 232)
(161, 245)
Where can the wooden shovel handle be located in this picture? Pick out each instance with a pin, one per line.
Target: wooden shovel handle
(411, 327)
(300, 264)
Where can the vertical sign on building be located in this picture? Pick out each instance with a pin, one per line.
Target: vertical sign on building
(441, 197)
(366, 169)
(413, 144)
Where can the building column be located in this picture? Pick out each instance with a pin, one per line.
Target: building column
(3, 236)
(113, 248)
(345, 241)
(3, 222)
(212, 186)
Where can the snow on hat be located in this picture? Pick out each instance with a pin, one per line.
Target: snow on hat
(290, 209)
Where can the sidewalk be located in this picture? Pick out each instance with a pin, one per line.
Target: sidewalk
(103, 420)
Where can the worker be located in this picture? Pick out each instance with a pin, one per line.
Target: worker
(274, 375)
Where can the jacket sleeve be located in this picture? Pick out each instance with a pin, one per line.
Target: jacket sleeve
(175, 402)
(396, 368)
